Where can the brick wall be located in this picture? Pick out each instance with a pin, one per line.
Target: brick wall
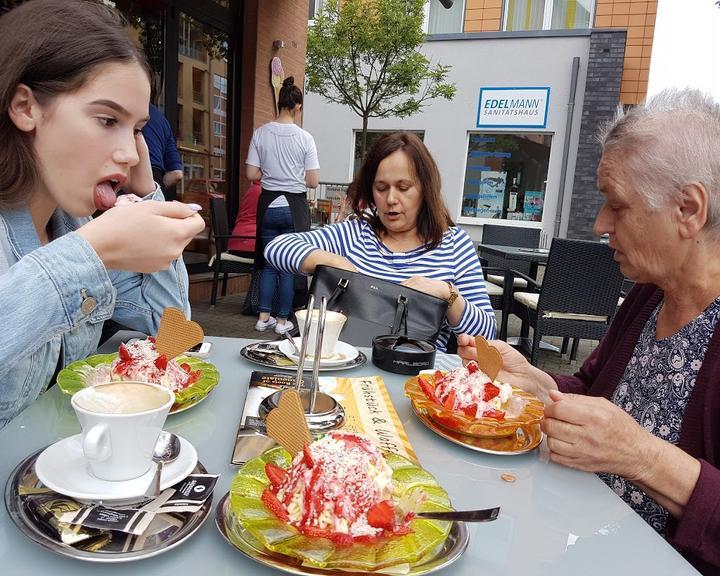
(602, 93)
(638, 18)
(265, 21)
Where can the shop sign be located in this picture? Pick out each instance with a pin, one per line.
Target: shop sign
(513, 107)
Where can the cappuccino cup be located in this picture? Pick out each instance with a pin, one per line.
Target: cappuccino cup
(334, 322)
(121, 422)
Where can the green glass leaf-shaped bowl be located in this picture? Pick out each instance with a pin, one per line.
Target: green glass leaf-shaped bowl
(249, 514)
(83, 373)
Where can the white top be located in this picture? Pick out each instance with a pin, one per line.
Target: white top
(284, 152)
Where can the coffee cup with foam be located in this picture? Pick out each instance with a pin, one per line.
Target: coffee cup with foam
(121, 422)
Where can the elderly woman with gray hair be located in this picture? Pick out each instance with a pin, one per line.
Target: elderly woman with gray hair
(644, 410)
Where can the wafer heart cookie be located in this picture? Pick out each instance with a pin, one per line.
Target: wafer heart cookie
(488, 358)
(177, 335)
(286, 424)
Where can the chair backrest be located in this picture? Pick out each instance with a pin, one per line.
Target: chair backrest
(219, 219)
(509, 236)
(581, 277)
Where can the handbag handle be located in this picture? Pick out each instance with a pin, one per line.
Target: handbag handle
(401, 313)
(340, 287)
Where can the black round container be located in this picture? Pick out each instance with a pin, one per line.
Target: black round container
(402, 355)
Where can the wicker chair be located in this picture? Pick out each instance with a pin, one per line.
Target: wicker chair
(578, 296)
(495, 267)
(223, 262)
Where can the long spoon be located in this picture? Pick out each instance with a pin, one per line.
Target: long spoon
(485, 515)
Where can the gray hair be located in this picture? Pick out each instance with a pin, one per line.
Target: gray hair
(667, 143)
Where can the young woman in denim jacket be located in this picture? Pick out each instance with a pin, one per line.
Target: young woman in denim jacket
(74, 94)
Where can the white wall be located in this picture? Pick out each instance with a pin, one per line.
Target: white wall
(484, 62)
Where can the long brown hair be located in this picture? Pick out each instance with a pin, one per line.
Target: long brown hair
(52, 46)
(433, 219)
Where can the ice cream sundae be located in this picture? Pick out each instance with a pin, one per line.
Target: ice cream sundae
(469, 390)
(340, 487)
(139, 361)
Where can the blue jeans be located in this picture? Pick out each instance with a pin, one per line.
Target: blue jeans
(276, 221)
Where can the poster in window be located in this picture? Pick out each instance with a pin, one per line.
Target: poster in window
(491, 194)
(533, 205)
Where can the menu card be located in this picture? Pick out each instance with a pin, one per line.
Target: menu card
(367, 404)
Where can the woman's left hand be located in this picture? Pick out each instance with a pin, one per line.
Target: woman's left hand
(595, 435)
(436, 288)
(140, 178)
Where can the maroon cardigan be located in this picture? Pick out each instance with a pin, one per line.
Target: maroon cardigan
(697, 534)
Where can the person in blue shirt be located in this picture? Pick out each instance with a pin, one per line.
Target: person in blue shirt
(74, 95)
(167, 167)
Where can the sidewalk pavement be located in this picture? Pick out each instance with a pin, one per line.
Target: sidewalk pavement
(226, 320)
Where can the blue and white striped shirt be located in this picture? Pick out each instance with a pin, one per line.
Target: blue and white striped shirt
(454, 260)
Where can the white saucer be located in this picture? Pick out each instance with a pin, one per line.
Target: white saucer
(63, 468)
(344, 353)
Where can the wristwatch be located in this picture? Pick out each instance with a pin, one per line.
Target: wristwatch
(453, 294)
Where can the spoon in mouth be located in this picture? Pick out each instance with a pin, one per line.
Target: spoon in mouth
(167, 449)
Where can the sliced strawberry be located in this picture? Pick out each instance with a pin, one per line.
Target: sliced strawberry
(341, 538)
(186, 367)
(315, 532)
(439, 377)
(275, 474)
(161, 362)
(192, 378)
(123, 353)
(470, 410)
(490, 391)
(382, 515)
(472, 367)
(151, 339)
(449, 401)
(307, 455)
(492, 413)
(274, 505)
(427, 388)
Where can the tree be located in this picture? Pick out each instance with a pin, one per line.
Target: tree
(364, 54)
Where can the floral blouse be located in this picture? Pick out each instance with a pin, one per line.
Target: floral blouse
(655, 390)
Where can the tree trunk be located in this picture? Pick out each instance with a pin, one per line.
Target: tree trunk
(363, 140)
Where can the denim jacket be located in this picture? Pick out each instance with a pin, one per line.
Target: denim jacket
(55, 298)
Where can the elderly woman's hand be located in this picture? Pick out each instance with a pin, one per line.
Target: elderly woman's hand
(595, 435)
(516, 370)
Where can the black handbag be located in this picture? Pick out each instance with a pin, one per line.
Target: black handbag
(376, 307)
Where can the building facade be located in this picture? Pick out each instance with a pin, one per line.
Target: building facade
(535, 79)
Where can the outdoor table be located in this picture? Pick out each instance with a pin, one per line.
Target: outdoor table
(554, 520)
(535, 256)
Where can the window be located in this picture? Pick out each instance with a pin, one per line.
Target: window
(373, 137)
(505, 176)
(548, 14)
(441, 20)
(314, 6)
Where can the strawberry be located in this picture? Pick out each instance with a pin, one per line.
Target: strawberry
(472, 367)
(496, 414)
(274, 505)
(470, 410)
(151, 339)
(186, 367)
(382, 515)
(439, 377)
(315, 532)
(161, 362)
(309, 462)
(402, 530)
(490, 391)
(427, 388)
(341, 538)
(449, 401)
(123, 353)
(275, 474)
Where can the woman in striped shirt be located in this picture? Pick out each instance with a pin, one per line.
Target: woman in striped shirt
(403, 233)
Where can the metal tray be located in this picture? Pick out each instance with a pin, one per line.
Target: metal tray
(452, 549)
(281, 362)
(115, 551)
